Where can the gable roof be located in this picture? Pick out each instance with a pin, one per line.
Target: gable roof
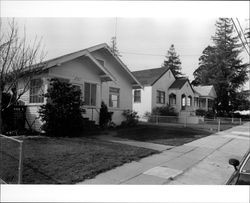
(206, 90)
(178, 83)
(85, 52)
(149, 76)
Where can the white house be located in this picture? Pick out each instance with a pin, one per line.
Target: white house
(96, 71)
(206, 95)
(160, 87)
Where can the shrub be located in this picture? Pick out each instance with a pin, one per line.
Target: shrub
(13, 118)
(210, 114)
(105, 116)
(200, 112)
(62, 113)
(131, 118)
(164, 111)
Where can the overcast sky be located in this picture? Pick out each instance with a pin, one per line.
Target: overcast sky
(143, 42)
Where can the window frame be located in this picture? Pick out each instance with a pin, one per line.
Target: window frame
(172, 97)
(244, 163)
(116, 94)
(159, 97)
(40, 88)
(137, 98)
(90, 94)
(189, 101)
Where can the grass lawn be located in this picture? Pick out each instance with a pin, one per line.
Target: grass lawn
(65, 160)
(167, 135)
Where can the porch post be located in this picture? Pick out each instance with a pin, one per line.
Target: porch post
(206, 104)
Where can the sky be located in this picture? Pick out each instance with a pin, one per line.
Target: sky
(143, 41)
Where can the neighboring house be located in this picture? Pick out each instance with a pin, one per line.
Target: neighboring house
(99, 74)
(160, 88)
(205, 97)
(182, 96)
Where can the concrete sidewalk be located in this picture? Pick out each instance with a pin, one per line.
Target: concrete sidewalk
(203, 161)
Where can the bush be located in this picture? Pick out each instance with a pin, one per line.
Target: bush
(62, 113)
(210, 114)
(105, 116)
(131, 118)
(200, 112)
(164, 111)
(13, 118)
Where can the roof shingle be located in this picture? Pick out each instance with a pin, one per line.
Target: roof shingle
(150, 76)
(178, 83)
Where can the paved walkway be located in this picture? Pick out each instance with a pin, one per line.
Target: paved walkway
(203, 161)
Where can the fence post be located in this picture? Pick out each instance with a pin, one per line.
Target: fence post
(219, 125)
(20, 164)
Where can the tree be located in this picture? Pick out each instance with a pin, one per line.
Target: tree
(173, 62)
(17, 55)
(114, 48)
(62, 114)
(220, 65)
(206, 67)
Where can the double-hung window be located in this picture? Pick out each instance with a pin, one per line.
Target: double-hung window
(114, 97)
(137, 96)
(160, 97)
(36, 91)
(89, 94)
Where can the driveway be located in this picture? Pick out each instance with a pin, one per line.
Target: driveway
(203, 161)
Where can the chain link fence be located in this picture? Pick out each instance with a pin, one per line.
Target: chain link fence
(212, 124)
(11, 160)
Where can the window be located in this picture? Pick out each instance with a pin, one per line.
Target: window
(36, 91)
(183, 100)
(196, 101)
(89, 94)
(137, 96)
(189, 101)
(114, 97)
(172, 99)
(246, 166)
(160, 97)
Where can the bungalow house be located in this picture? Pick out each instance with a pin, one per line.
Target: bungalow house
(160, 87)
(99, 74)
(205, 97)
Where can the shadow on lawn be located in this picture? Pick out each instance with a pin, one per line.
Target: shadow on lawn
(66, 160)
(167, 135)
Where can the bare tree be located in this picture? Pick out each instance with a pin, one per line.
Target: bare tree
(17, 59)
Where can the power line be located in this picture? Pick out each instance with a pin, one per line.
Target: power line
(239, 36)
(242, 30)
(149, 54)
